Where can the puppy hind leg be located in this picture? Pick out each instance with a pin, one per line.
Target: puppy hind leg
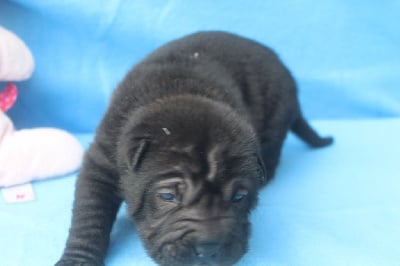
(271, 152)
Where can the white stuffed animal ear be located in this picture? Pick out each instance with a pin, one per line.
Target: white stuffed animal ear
(39, 153)
(16, 60)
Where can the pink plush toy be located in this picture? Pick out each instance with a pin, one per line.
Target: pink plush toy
(28, 154)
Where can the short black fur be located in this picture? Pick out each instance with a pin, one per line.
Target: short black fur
(190, 136)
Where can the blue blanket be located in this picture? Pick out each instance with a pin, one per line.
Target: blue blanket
(334, 206)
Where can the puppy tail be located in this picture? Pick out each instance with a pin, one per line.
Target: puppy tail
(302, 129)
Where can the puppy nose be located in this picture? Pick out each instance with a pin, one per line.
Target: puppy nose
(206, 252)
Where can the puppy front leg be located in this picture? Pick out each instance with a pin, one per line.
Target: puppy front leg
(95, 207)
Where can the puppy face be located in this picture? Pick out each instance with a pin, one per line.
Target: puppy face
(191, 215)
(190, 189)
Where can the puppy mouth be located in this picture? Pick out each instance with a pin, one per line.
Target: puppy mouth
(183, 253)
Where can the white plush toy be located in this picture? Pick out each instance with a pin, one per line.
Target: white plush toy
(28, 154)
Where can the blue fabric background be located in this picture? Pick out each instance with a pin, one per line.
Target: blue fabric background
(335, 206)
(344, 54)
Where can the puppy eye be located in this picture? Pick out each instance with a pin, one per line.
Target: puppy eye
(167, 196)
(239, 196)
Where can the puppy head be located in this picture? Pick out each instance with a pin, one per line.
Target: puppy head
(191, 171)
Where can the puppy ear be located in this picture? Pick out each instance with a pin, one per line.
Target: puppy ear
(133, 154)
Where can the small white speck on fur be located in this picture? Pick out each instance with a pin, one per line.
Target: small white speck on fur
(196, 55)
(166, 131)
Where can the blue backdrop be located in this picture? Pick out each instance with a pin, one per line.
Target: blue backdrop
(344, 54)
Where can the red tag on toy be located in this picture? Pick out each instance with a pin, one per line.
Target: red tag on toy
(8, 97)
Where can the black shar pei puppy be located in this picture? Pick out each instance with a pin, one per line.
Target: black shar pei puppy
(191, 135)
